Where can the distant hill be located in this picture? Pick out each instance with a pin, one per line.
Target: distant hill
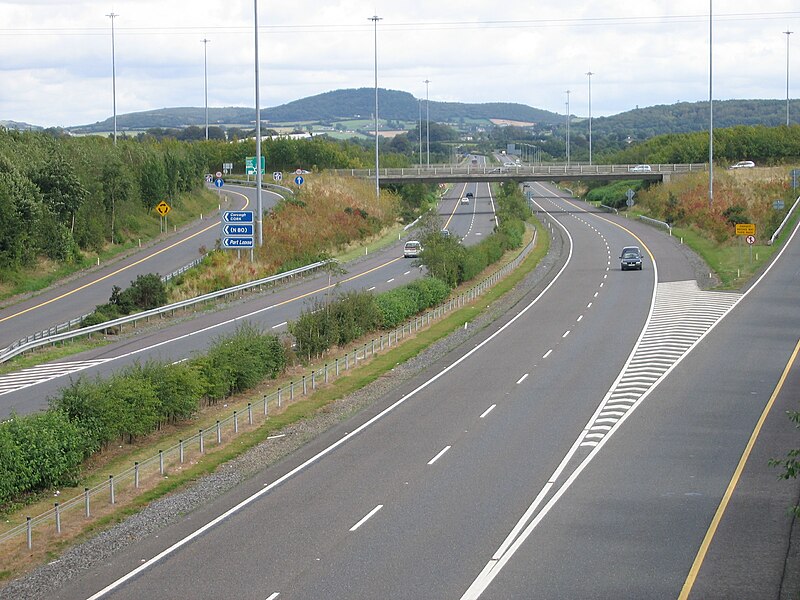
(339, 105)
(345, 105)
(18, 125)
(685, 117)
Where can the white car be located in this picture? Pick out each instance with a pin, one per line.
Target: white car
(744, 164)
(412, 249)
(464, 200)
(640, 169)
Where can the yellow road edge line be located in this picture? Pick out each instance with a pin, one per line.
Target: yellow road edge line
(120, 270)
(723, 505)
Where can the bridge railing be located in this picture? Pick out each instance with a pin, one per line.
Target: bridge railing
(521, 170)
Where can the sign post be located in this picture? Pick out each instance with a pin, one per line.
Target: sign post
(747, 230)
(162, 208)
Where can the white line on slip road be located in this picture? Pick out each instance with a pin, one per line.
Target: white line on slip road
(390, 280)
(279, 325)
(276, 436)
(407, 272)
(596, 294)
(523, 378)
(579, 319)
(366, 517)
(273, 596)
(589, 305)
(438, 456)
(548, 353)
(602, 284)
(370, 289)
(487, 411)
(566, 333)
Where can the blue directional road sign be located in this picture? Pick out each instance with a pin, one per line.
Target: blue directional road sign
(237, 242)
(237, 216)
(232, 229)
(299, 180)
(219, 183)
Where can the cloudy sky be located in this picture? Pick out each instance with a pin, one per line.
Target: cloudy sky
(57, 54)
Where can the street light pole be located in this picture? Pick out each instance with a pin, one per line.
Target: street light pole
(205, 77)
(375, 20)
(589, 75)
(567, 127)
(113, 75)
(710, 104)
(419, 131)
(428, 121)
(259, 205)
(788, 33)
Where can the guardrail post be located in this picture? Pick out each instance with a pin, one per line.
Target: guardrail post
(337, 366)
(381, 340)
(111, 489)
(180, 446)
(86, 510)
(30, 532)
(202, 449)
(373, 346)
(58, 518)
(291, 391)
(304, 385)
(326, 372)
(235, 422)
(249, 413)
(347, 361)
(161, 462)
(219, 433)
(313, 380)
(136, 474)
(279, 400)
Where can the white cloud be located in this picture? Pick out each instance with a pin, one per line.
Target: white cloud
(57, 54)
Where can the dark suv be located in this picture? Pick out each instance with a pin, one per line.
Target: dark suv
(630, 258)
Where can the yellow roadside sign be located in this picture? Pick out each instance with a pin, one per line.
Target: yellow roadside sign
(745, 229)
(163, 209)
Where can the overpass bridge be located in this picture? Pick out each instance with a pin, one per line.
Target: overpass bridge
(531, 172)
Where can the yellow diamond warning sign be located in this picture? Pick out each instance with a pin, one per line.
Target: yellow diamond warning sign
(163, 208)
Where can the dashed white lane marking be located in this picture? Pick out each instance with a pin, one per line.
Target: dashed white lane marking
(279, 325)
(41, 373)
(523, 378)
(366, 517)
(579, 319)
(273, 596)
(548, 353)
(589, 305)
(407, 272)
(681, 314)
(566, 333)
(370, 289)
(390, 280)
(596, 294)
(438, 456)
(487, 411)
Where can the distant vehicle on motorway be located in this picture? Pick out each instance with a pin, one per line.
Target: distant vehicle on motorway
(445, 232)
(412, 249)
(640, 169)
(630, 258)
(743, 164)
(465, 200)
(470, 195)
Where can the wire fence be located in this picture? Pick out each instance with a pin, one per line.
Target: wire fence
(101, 499)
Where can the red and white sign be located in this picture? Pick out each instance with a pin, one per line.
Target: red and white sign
(751, 239)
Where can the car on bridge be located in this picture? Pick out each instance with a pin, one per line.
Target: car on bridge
(640, 169)
(465, 200)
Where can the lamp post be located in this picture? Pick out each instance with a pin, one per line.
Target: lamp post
(205, 77)
(788, 33)
(419, 131)
(589, 75)
(428, 121)
(710, 105)
(567, 103)
(259, 205)
(375, 20)
(112, 16)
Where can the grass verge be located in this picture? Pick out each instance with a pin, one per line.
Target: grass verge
(17, 559)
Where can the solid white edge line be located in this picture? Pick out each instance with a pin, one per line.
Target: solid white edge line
(366, 517)
(487, 411)
(279, 325)
(273, 596)
(301, 467)
(438, 456)
(523, 378)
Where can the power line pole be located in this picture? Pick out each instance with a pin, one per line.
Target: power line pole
(428, 120)
(589, 75)
(259, 205)
(568, 127)
(788, 33)
(375, 20)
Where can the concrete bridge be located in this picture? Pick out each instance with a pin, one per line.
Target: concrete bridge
(536, 172)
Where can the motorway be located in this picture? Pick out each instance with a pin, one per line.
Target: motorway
(79, 297)
(584, 446)
(28, 390)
